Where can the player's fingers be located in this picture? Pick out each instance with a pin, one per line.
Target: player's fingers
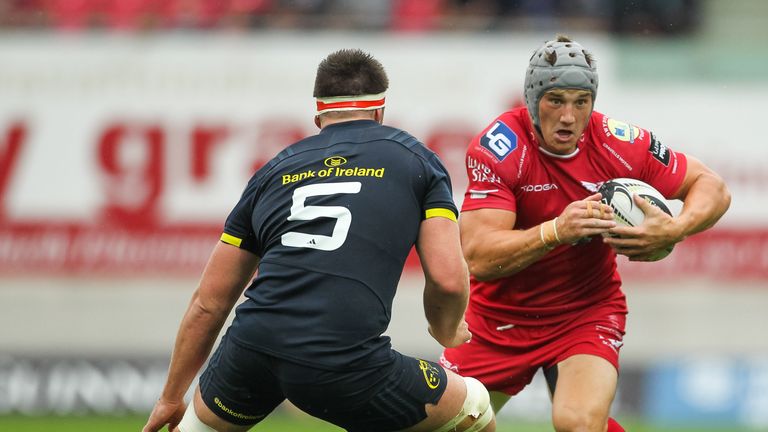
(154, 425)
(589, 210)
(594, 197)
(606, 212)
(647, 207)
(634, 249)
(628, 251)
(598, 224)
(625, 232)
(641, 202)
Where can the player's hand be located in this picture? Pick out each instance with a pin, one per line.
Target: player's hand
(584, 218)
(165, 413)
(645, 241)
(460, 336)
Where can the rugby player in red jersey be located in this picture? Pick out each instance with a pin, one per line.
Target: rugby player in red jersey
(545, 292)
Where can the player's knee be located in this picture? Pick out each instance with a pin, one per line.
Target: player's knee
(192, 423)
(572, 419)
(475, 414)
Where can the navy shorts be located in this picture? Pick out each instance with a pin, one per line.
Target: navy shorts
(243, 386)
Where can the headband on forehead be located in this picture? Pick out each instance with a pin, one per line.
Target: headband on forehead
(350, 103)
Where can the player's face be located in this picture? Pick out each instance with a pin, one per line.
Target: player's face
(564, 114)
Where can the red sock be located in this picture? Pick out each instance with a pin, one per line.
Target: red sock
(614, 426)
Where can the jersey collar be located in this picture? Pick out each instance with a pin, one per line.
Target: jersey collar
(558, 156)
(359, 123)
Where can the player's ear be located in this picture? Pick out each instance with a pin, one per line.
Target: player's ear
(378, 115)
(317, 122)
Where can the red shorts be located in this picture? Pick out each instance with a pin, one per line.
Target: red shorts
(505, 357)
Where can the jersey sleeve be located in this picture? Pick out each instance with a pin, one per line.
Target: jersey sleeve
(238, 229)
(663, 168)
(487, 171)
(438, 201)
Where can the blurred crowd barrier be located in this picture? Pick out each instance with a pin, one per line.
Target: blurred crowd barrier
(120, 157)
(690, 392)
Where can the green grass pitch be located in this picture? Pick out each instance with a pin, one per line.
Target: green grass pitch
(279, 422)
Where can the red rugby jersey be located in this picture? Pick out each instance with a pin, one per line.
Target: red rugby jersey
(507, 170)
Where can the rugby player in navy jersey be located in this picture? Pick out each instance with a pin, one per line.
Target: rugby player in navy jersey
(328, 223)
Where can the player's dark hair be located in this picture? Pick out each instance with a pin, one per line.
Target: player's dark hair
(350, 72)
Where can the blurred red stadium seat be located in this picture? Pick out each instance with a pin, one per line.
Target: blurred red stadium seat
(70, 14)
(127, 14)
(420, 15)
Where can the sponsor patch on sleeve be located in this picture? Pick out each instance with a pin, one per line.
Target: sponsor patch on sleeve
(659, 151)
(500, 140)
(623, 131)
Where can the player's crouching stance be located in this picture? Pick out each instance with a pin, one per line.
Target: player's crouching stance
(329, 222)
(474, 412)
(473, 405)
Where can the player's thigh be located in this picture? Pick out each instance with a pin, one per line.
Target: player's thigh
(202, 419)
(586, 386)
(504, 357)
(238, 386)
(379, 398)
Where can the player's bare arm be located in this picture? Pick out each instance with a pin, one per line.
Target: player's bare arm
(227, 273)
(705, 199)
(494, 249)
(446, 290)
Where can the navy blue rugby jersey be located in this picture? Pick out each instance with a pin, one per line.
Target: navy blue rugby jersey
(333, 218)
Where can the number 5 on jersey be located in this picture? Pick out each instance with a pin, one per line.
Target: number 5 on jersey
(301, 212)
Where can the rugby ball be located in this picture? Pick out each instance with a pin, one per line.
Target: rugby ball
(618, 192)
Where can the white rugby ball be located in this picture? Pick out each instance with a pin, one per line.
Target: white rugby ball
(618, 192)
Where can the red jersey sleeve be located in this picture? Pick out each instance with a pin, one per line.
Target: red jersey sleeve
(664, 168)
(492, 165)
(649, 159)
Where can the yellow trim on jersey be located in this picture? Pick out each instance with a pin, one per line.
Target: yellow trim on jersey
(441, 212)
(230, 239)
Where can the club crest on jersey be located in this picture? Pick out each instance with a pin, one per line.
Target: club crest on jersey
(621, 130)
(334, 161)
(500, 140)
(431, 374)
(659, 151)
